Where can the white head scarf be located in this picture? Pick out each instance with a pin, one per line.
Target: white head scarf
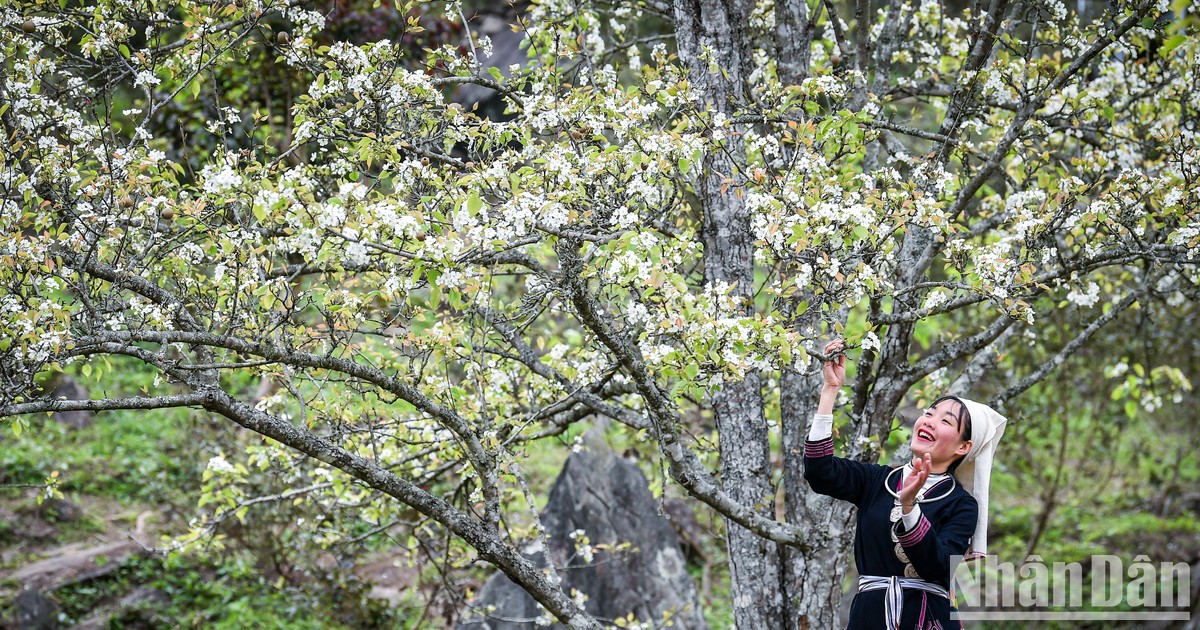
(975, 471)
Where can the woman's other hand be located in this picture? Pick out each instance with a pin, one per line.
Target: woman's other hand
(914, 481)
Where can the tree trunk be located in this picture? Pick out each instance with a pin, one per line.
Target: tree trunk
(741, 426)
(812, 581)
(711, 38)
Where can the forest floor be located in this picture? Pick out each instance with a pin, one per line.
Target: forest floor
(78, 553)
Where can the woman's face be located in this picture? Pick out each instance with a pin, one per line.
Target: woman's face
(939, 432)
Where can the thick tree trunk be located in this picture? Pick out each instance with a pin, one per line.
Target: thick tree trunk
(793, 41)
(744, 445)
(815, 580)
(812, 581)
(711, 37)
(754, 562)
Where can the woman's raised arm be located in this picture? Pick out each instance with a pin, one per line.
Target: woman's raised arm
(833, 476)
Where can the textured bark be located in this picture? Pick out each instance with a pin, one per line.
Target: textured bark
(711, 31)
(812, 580)
(746, 473)
(979, 365)
(793, 40)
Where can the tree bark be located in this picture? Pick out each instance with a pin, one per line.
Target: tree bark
(793, 40)
(812, 581)
(711, 36)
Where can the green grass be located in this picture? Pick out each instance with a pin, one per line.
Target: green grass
(123, 455)
(130, 456)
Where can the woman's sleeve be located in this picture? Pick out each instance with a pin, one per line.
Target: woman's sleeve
(833, 476)
(930, 549)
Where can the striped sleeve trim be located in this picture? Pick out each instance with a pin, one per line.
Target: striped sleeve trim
(820, 448)
(913, 537)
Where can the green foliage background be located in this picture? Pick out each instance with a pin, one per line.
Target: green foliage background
(1101, 457)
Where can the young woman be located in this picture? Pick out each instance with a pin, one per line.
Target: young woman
(911, 520)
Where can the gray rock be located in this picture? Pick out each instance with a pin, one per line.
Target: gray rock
(636, 565)
(692, 535)
(35, 612)
(69, 389)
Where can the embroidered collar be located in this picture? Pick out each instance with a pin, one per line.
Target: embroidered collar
(921, 498)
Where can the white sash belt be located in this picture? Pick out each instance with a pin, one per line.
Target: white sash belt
(893, 600)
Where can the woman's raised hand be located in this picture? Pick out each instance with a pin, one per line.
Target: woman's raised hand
(914, 481)
(834, 371)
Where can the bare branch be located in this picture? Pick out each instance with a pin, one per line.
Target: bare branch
(1061, 356)
(102, 404)
(838, 34)
(979, 365)
(481, 81)
(958, 349)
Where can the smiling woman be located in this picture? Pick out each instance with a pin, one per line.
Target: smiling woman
(943, 433)
(912, 520)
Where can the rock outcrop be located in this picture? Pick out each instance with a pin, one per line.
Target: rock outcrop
(68, 388)
(608, 541)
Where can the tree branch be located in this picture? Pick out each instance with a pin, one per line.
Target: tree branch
(685, 468)
(529, 358)
(979, 365)
(1111, 257)
(481, 460)
(1024, 112)
(958, 349)
(483, 539)
(102, 404)
(1061, 356)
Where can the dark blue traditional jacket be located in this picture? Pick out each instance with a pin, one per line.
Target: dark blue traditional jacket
(944, 530)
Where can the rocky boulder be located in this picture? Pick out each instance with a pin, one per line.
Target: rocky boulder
(35, 611)
(68, 388)
(608, 541)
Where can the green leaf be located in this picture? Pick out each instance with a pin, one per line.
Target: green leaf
(1171, 44)
(435, 295)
